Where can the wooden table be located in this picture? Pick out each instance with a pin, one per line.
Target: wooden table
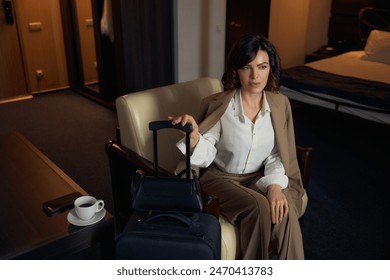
(27, 179)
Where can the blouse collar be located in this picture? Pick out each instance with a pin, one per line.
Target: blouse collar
(239, 110)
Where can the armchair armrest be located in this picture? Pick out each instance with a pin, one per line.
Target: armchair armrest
(114, 148)
(211, 204)
(304, 157)
(123, 164)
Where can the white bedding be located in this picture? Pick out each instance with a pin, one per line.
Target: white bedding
(354, 64)
(350, 64)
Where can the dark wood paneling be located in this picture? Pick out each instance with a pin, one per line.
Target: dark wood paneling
(245, 17)
(343, 32)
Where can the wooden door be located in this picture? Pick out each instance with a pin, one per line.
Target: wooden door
(12, 78)
(246, 17)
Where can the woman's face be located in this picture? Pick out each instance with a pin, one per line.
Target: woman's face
(254, 75)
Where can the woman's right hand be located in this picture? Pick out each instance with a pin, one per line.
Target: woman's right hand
(188, 119)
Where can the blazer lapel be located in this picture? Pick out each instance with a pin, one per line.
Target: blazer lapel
(214, 110)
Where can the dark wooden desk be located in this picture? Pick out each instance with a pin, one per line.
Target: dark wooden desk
(27, 179)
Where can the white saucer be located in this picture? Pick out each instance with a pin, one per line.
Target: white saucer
(74, 220)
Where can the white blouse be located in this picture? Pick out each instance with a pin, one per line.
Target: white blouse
(237, 145)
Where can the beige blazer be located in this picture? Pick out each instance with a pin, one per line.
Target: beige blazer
(212, 109)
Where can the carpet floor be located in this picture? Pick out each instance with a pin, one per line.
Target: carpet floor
(349, 189)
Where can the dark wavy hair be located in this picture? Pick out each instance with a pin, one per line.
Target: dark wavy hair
(242, 53)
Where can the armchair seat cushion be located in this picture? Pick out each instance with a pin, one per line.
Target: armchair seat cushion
(229, 240)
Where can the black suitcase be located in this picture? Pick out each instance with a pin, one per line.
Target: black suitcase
(170, 236)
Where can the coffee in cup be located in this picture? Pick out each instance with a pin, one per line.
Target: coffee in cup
(87, 206)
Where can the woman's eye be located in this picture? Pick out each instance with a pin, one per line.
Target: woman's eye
(245, 68)
(263, 67)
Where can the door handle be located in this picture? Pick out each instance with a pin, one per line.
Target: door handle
(7, 6)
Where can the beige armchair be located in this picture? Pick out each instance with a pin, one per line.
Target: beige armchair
(133, 149)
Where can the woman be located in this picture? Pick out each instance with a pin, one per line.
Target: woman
(246, 140)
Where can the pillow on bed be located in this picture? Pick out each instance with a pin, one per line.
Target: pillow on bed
(378, 46)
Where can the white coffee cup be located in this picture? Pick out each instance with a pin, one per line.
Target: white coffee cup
(87, 206)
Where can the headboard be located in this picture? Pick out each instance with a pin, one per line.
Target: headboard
(372, 18)
(346, 31)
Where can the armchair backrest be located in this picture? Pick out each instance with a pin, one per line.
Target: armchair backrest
(136, 110)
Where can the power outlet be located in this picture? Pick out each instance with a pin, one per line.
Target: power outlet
(39, 73)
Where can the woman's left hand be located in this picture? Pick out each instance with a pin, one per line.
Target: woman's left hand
(278, 203)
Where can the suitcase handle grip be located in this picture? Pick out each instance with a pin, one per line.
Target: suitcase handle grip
(157, 125)
(175, 216)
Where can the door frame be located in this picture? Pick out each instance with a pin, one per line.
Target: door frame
(12, 59)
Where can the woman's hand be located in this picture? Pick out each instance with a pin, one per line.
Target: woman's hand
(184, 119)
(278, 203)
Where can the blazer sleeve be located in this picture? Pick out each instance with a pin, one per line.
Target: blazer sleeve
(293, 172)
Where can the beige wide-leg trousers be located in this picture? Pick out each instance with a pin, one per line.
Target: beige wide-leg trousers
(246, 207)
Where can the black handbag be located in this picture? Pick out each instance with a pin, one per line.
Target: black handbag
(167, 193)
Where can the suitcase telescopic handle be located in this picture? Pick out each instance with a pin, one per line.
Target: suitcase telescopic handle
(157, 125)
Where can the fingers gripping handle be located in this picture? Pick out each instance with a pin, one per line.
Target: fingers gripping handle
(157, 125)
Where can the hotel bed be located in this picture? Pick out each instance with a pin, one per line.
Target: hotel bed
(356, 82)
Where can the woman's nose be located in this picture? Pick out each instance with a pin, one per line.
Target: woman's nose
(254, 73)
